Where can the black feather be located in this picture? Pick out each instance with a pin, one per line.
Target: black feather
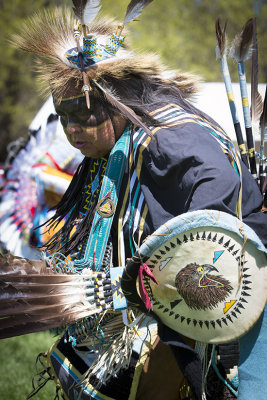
(242, 43)
(78, 8)
(36, 298)
(134, 9)
(221, 37)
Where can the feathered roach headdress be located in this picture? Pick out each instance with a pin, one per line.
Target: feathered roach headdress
(95, 47)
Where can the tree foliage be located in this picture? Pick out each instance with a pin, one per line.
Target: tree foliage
(18, 94)
(182, 32)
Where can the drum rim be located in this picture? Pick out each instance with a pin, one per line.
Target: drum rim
(174, 227)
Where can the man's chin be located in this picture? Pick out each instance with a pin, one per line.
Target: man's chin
(93, 154)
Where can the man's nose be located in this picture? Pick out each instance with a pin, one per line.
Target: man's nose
(74, 128)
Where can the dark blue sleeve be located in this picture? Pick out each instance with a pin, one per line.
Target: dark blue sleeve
(184, 170)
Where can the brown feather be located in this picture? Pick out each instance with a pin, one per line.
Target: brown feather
(256, 99)
(221, 37)
(44, 303)
(29, 292)
(12, 265)
(33, 297)
(38, 324)
(242, 43)
(79, 8)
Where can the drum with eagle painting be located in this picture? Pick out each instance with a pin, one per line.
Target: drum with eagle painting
(203, 274)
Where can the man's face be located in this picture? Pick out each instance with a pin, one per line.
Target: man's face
(92, 131)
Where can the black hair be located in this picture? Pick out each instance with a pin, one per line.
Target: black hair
(69, 207)
(142, 96)
(146, 95)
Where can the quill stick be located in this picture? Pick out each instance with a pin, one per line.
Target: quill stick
(240, 51)
(263, 127)
(256, 103)
(256, 99)
(86, 86)
(221, 50)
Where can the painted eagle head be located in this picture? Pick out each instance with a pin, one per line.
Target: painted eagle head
(199, 289)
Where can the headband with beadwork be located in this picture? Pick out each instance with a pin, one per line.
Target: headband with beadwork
(84, 54)
(91, 52)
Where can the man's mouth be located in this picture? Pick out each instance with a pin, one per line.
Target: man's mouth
(80, 144)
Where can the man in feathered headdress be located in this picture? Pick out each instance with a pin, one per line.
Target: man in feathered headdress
(150, 155)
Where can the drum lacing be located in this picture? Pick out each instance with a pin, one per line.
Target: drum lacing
(241, 261)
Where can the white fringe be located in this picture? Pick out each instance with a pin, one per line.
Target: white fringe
(202, 349)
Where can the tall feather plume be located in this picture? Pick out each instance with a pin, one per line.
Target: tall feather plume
(263, 127)
(241, 51)
(35, 298)
(134, 9)
(221, 38)
(86, 10)
(221, 50)
(242, 44)
(256, 99)
(263, 118)
(125, 110)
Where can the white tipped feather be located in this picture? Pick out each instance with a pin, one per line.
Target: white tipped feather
(134, 9)
(241, 48)
(86, 10)
(34, 298)
(90, 11)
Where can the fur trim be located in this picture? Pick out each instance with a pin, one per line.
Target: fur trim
(49, 34)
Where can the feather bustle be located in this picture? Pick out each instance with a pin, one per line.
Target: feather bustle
(12, 292)
(12, 265)
(22, 307)
(34, 298)
(38, 325)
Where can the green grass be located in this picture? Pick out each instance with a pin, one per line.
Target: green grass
(17, 366)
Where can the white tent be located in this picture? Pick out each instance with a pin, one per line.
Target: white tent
(212, 99)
